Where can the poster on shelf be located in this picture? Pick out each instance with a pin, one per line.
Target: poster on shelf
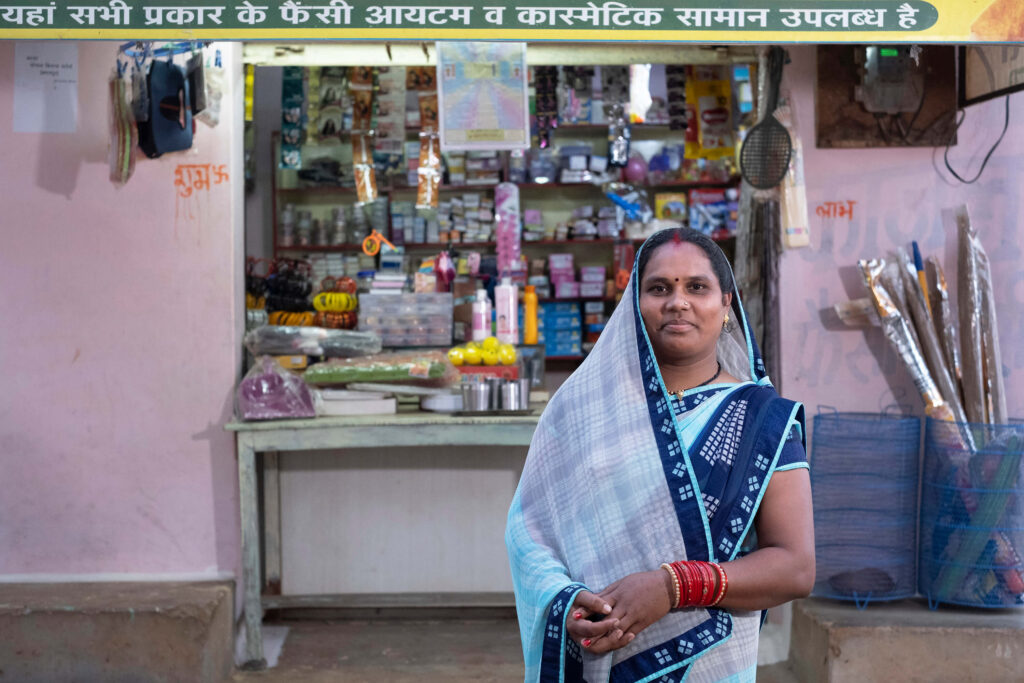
(482, 96)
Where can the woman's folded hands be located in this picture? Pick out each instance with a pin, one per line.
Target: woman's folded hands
(613, 618)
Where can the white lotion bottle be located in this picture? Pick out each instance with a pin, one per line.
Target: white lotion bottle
(506, 302)
(481, 316)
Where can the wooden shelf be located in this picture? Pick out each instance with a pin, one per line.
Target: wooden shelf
(317, 189)
(574, 299)
(561, 243)
(603, 127)
(580, 357)
(337, 189)
(420, 246)
(448, 188)
(322, 248)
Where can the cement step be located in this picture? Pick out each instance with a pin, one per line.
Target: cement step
(834, 642)
(776, 673)
(116, 632)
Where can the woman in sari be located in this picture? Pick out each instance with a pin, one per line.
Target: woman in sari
(631, 534)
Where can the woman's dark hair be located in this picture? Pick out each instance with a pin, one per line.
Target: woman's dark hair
(719, 263)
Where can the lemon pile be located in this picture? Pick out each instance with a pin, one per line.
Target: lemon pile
(488, 352)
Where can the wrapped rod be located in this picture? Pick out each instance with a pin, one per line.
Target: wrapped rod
(899, 334)
(945, 324)
(929, 340)
(992, 358)
(891, 279)
(969, 296)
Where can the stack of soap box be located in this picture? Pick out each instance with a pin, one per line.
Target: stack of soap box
(594, 321)
(408, 319)
(533, 225)
(592, 282)
(562, 273)
(562, 328)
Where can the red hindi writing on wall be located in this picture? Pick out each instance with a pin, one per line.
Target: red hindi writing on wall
(191, 178)
(836, 209)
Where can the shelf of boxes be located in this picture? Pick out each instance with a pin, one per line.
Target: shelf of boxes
(550, 198)
(438, 246)
(344, 190)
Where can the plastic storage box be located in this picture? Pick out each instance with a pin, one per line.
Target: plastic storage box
(408, 320)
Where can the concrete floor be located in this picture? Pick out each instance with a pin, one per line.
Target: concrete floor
(378, 651)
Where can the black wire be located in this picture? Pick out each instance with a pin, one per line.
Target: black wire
(881, 129)
(913, 120)
(981, 170)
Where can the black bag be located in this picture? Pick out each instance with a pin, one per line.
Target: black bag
(169, 128)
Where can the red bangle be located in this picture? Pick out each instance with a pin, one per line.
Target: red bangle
(691, 583)
(708, 585)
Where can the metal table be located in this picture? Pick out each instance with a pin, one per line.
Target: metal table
(404, 429)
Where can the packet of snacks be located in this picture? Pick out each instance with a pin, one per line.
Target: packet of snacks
(362, 163)
(428, 111)
(429, 171)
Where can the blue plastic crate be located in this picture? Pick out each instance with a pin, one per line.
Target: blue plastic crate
(972, 515)
(864, 479)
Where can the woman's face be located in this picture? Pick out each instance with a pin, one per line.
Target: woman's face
(681, 302)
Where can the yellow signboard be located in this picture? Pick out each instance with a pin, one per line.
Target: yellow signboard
(689, 21)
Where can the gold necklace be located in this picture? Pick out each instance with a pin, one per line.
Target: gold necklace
(679, 394)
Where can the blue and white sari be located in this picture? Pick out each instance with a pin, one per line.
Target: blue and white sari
(620, 477)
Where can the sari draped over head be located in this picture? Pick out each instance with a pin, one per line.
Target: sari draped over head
(621, 477)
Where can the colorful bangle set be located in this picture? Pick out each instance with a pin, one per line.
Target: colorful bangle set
(697, 584)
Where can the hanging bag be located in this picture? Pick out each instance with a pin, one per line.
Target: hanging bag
(169, 128)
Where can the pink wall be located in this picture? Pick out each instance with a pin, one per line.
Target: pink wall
(899, 197)
(122, 313)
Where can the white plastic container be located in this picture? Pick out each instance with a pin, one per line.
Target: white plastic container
(481, 316)
(506, 302)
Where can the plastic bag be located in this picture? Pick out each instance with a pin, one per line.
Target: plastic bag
(422, 368)
(311, 341)
(898, 331)
(984, 393)
(214, 86)
(269, 392)
(124, 137)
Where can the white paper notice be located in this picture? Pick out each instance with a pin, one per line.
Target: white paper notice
(45, 86)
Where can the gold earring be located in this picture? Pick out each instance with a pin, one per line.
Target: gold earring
(726, 321)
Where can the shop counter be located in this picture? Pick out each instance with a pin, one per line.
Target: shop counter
(273, 439)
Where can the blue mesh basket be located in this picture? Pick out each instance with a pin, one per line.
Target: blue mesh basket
(972, 514)
(864, 478)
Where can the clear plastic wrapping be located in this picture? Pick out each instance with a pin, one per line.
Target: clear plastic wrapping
(892, 280)
(269, 392)
(899, 333)
(984, 393)
(430, 368)
(929, 340)
(969, 298)
(945, 324)
(311, 341)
